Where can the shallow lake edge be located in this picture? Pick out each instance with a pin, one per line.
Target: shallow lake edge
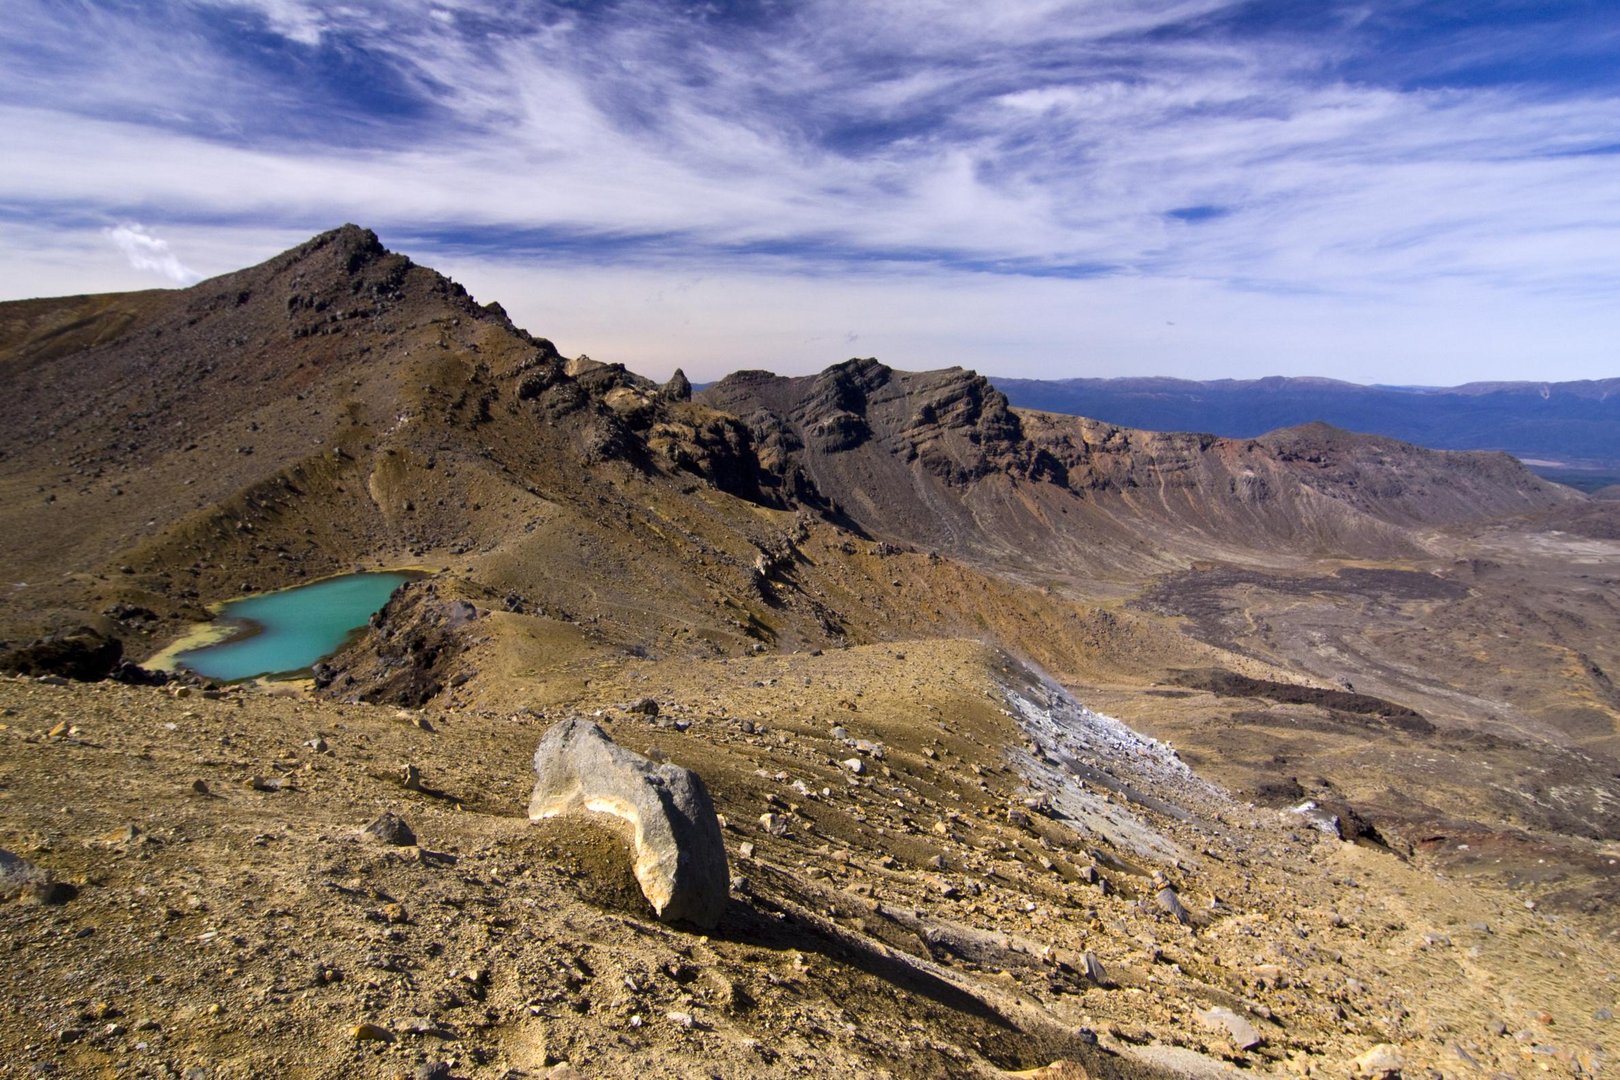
(202, 635)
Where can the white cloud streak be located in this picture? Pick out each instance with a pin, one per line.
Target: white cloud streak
(150, 253)
(853, 135)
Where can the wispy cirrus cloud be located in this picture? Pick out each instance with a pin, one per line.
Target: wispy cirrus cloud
(1372, 152)
(147, 252)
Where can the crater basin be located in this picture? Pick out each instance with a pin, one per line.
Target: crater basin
(285, 633)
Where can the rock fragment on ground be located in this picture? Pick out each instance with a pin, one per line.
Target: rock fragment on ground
(1170, 902)
(21, 880)
(390, 828)
(679, 856)
(1241, 1033)
(1382, 1062)
(1062, 1069)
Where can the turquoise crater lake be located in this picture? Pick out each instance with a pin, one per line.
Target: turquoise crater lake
(286, 632)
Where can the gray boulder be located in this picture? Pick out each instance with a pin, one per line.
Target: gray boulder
(1240, 1031)
(21, 880)
(679, 856)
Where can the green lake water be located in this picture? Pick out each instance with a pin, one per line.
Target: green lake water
(283, 633)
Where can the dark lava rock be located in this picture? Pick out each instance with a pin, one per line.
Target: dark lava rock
(135, 675)
(84, 654)
(390, 828)
(679, 388)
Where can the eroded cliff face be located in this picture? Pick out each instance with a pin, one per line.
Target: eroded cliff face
(952, 424)
(938, 459)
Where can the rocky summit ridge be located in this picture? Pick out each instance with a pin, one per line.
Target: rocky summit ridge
(1039, 746)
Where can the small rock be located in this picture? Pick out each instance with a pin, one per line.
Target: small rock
(1240, 1031)
(1169, 901)
(29, 884)
(199, 787)
(682, 1020)
(410, 777)
(644, 707)
(390, 828)
(1382, 1062)
(775, 824)
(59, 731)
(855, 765)
(432, 1070)
(1094, 969)
(1269, 976)
(371, 1033)
(745, 850)
(1062, 1069)
(396, 913)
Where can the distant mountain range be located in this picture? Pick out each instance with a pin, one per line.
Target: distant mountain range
(1569, 431)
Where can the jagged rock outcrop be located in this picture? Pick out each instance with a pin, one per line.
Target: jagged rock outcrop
(938, 459)
(678, 388)
(409, 653)
(952, 422)
(679, 856)
(85, 654)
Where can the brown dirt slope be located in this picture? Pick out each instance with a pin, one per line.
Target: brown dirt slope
(901, 922)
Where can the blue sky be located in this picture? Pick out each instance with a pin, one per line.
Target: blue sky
(1382, 191)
